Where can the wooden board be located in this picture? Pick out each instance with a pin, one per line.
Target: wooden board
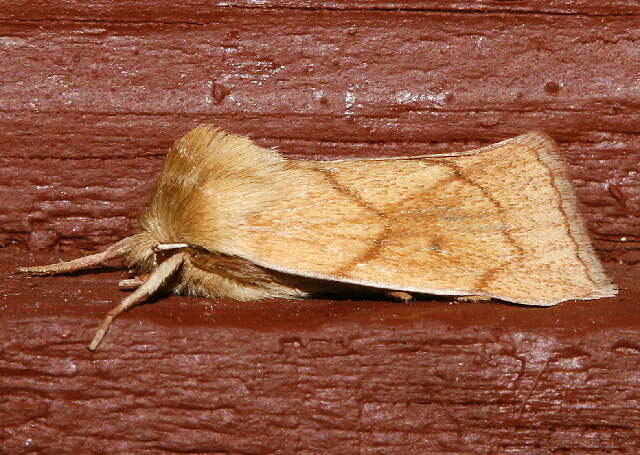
(317, 84)
(93, 93)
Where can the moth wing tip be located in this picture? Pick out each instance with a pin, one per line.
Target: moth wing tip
(610, 290)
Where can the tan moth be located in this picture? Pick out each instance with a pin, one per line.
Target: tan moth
(228, 218)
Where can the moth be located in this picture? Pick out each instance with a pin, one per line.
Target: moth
(228, 218)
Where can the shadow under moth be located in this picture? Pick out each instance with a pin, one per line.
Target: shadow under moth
(228, 218)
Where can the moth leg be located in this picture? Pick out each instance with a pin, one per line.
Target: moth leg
(156, 279)
(133, 283)
(130, 284)
(400, 296)
(472, 298)
(117, 249)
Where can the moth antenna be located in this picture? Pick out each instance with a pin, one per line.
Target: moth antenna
(156, 279)
(118, 249)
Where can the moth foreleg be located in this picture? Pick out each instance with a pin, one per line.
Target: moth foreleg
(132, 283)
(118, 249)
(157, 278)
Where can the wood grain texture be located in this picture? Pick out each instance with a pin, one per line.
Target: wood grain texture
(350, 82)
(194, 11)
(188, 375)
(92, 94)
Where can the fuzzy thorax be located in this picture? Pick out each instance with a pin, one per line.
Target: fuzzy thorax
(211, 185)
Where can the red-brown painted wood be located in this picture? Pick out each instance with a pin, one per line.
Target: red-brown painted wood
(93, 93)
(189, 375)
(194, 11)
(318, 84)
